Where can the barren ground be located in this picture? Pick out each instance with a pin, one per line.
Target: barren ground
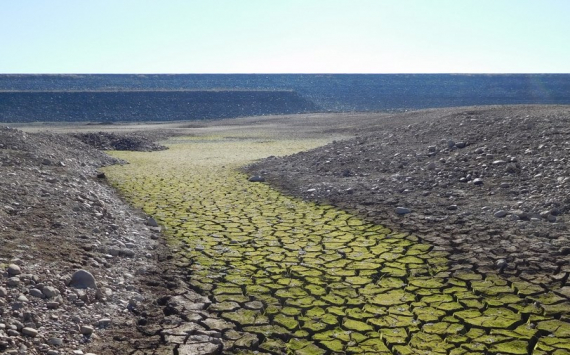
(489, 184)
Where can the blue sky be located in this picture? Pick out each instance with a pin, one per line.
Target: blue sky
(285, 36)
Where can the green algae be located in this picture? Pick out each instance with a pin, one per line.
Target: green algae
(328, 281)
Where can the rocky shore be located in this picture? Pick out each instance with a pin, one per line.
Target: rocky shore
(489, 184)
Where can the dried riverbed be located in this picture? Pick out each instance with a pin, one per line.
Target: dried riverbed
(287, 276)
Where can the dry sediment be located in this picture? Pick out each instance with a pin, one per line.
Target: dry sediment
(489, 184)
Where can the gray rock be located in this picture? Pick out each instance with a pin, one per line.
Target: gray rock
(86, 330)
(14, 270)
(3, 292)
(402, 210)
(52, 305)
(50, 291)
(460, 144)
(13, 282)
(256, 178)
(22, 298)
(500, 214)
(31, 332)
(477, 181)
(151, 222)
(431, 166)
(501, 263)
(36, 293)
(104, 322)
(55, 341)
(83, 279)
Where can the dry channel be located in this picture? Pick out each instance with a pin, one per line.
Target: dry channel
(311, 279)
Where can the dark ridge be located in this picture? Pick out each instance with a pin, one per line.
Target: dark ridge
(333, 92)
(145, 105)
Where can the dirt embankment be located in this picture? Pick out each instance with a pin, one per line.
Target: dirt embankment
(490, 184)
(58, 216)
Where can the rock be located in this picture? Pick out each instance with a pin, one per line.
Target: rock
(55, 341)
(477, 181)
(36, 293)
(501, 264)
(86, 330)
(151, 222)
(500, 214)
(461, 144)
(31, 332)
(402, 210)
(104, 322)
(50, 291)
(3, 292)
(431, 166)
(14, 270)
(52, 305)
(256, 178)
(22, 298)
(82, 279)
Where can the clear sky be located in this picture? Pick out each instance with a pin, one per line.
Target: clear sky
(284, 36)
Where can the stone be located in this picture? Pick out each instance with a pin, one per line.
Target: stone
(83, 279)
(31, 332)
(151, 222)
(3, 292)
(477, 181)
(14, 270)
(36, 293)
(50, 291)
(86, 330)
(501, 264)
(104, 322)
(402, 210)
(52, 305)
(256, 178)
(500, 214)
(55, 341)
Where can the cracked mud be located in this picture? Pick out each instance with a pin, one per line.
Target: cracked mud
(287, 276)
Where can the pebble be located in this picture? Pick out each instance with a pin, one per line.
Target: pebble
(151, 222)
(86, 330)
(36, 293)
(50, 291)
(3, 292)
(55, 341)
(500, 214)
(402, 210)
(14, 270)
(31, 332)
(83, 279)
(256, 178)
(477, 181)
